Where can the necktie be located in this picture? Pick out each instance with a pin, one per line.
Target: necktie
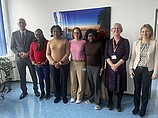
(23, 36)
(24, 40)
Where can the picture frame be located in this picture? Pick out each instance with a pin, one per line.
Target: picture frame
(156, 24)
(93, 18)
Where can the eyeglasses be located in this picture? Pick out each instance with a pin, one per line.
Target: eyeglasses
(91, 35)
(116, 28)
(76, 32)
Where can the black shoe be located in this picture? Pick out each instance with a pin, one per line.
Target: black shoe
(23, 95)
(41, 97)
(65, 100)
(56, 100)
(135, 111)
(110, 106)
(47, 96)
(142, 112)
(37, 94)
(118, 108)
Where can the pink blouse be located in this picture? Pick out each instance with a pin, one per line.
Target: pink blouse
(77, 49)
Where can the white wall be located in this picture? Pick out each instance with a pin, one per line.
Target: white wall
(132, 14)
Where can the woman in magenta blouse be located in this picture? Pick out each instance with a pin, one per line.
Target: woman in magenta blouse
(77, 75)
(40, 62)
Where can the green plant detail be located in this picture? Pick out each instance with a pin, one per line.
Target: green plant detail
(5, 75)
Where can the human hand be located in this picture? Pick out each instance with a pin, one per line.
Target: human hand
(57, 65)
(131, 73)
(20, 54)
(39, 64)
(23, 54)
(114, 67)
(43, 63)
(153, 77)
(101, 71)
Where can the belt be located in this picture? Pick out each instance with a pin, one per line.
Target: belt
(142, 67)
(77, 60)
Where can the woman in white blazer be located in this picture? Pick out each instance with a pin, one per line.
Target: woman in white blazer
(143, 67)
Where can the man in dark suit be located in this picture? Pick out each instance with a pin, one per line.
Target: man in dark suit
(20, 45)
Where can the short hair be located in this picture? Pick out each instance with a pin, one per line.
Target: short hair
(22, 19)
(91, 31)
(55, 26)
(118, 25)
(148, 26)
(78, 30)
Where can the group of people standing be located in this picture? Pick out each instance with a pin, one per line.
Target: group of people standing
(86, 59)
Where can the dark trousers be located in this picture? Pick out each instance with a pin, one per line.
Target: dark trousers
(142, 81)
(119, 97)
(21, 64)
(94, 83)
(44, 73)
(60, 76)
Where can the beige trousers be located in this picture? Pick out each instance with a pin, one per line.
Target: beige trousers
(77, 78)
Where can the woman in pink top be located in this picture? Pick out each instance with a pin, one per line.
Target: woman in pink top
(77, 74)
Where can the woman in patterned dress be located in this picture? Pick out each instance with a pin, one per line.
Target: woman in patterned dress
(116, 54)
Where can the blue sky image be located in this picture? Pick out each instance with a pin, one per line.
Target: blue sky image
(77, 17)
(84, 19)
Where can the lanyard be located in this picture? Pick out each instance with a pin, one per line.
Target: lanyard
(115, 45)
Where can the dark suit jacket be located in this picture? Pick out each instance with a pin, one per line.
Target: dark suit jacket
(18, 45)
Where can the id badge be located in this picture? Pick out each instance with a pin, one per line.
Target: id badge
(113, 57)
(84, 69)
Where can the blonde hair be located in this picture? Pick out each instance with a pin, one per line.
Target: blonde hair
(148, 26)
(118, 25)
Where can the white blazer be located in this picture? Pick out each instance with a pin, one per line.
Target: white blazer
(152, 56)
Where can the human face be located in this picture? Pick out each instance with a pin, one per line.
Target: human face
(56, 33)
(145, 33)
(91, 37)
(76, 34)
(37, 36)
(22, 24)
(116, 30)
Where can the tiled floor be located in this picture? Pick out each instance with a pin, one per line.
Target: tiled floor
(31, 107)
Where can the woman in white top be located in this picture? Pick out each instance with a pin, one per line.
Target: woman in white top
(143, 67)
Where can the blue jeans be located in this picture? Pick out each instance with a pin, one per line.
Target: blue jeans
(43, 73)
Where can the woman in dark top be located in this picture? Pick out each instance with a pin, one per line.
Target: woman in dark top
(116, 54)
(95, 62)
